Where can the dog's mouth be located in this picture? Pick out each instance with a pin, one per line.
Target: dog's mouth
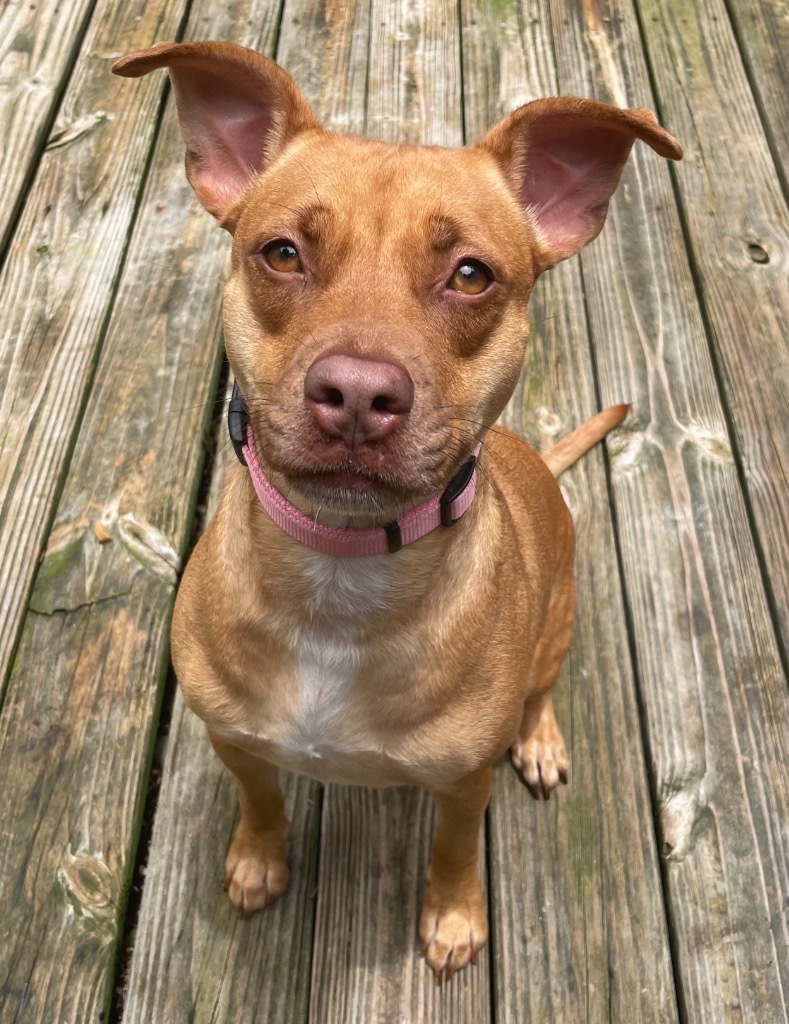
(357, 483)
(376, 486)
(350, 489)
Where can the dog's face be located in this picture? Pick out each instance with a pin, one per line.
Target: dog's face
(375, 317)
(414, 262)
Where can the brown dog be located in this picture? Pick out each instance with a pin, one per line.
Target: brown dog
(375, 321)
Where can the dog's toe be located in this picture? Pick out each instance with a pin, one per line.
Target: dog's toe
(541, 764)
(539, 755)
(253, 882)
(452, 935)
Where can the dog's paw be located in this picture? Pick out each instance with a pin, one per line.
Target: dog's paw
(452, 933)
(540, 759)
(253, 878)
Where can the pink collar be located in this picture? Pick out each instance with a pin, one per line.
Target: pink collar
(443, 510)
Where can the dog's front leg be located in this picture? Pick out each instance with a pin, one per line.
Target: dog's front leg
(454, 925)
(256, 871)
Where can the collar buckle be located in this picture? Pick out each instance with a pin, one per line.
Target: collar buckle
(454, 489)
(237, 419)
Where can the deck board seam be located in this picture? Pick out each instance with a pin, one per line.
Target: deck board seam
(45, 133)
(207, 475)
(632, 647)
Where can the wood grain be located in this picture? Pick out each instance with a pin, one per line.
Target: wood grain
(74, 737)
(375, 846)
(738, 226)
(577, 908)
(194, 960)
(80, 716)
(39, 43)
(576, 895)
(415, 89)
(57, 284)
(332, 70)
(712, 689)
(762, 32)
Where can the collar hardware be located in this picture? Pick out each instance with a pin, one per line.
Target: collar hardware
(455, 488)
(394, 538)
(237, 419)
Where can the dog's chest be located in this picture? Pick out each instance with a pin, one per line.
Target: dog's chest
(322, 720)
(326, 727)
(352, 709)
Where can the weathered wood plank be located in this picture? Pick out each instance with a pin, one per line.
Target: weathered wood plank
(332, 71)
(713, 693)
(57, 284)
(65, 730)
(415, 89)
(75, 734)
(738, 225)
(375, 845)
(38, 45)
(763, 34)
(194, 961)
(579, 930)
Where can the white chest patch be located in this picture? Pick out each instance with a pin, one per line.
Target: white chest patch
(326, 670)
(327, 729)
(342, 589)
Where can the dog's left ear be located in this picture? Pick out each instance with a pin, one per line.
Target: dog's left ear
(238, 111)
(563, 158)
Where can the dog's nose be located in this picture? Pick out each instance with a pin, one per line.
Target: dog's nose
(357, 399)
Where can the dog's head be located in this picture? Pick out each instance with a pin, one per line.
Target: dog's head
(376, 313)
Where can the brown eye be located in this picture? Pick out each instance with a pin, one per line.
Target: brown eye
(471, 278)
(282, 256)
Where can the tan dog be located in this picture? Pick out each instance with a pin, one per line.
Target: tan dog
(375, 321)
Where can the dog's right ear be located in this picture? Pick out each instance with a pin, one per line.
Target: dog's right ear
(238, 110)
(563, 157)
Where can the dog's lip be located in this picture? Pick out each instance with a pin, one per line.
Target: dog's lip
(377, 467)
(344, 477)
(403, 476)
(351, 478)
(360, 483)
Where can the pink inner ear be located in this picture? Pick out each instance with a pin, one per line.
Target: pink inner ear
(225, 130)
(570, 177)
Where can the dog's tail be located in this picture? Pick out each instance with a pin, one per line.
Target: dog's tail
(572, 447)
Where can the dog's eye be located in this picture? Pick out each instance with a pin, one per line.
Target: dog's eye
(471, 278)
(282, 256)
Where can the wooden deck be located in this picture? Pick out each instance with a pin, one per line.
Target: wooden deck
(656, 887)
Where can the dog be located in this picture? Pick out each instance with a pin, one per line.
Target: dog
(385, 594)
